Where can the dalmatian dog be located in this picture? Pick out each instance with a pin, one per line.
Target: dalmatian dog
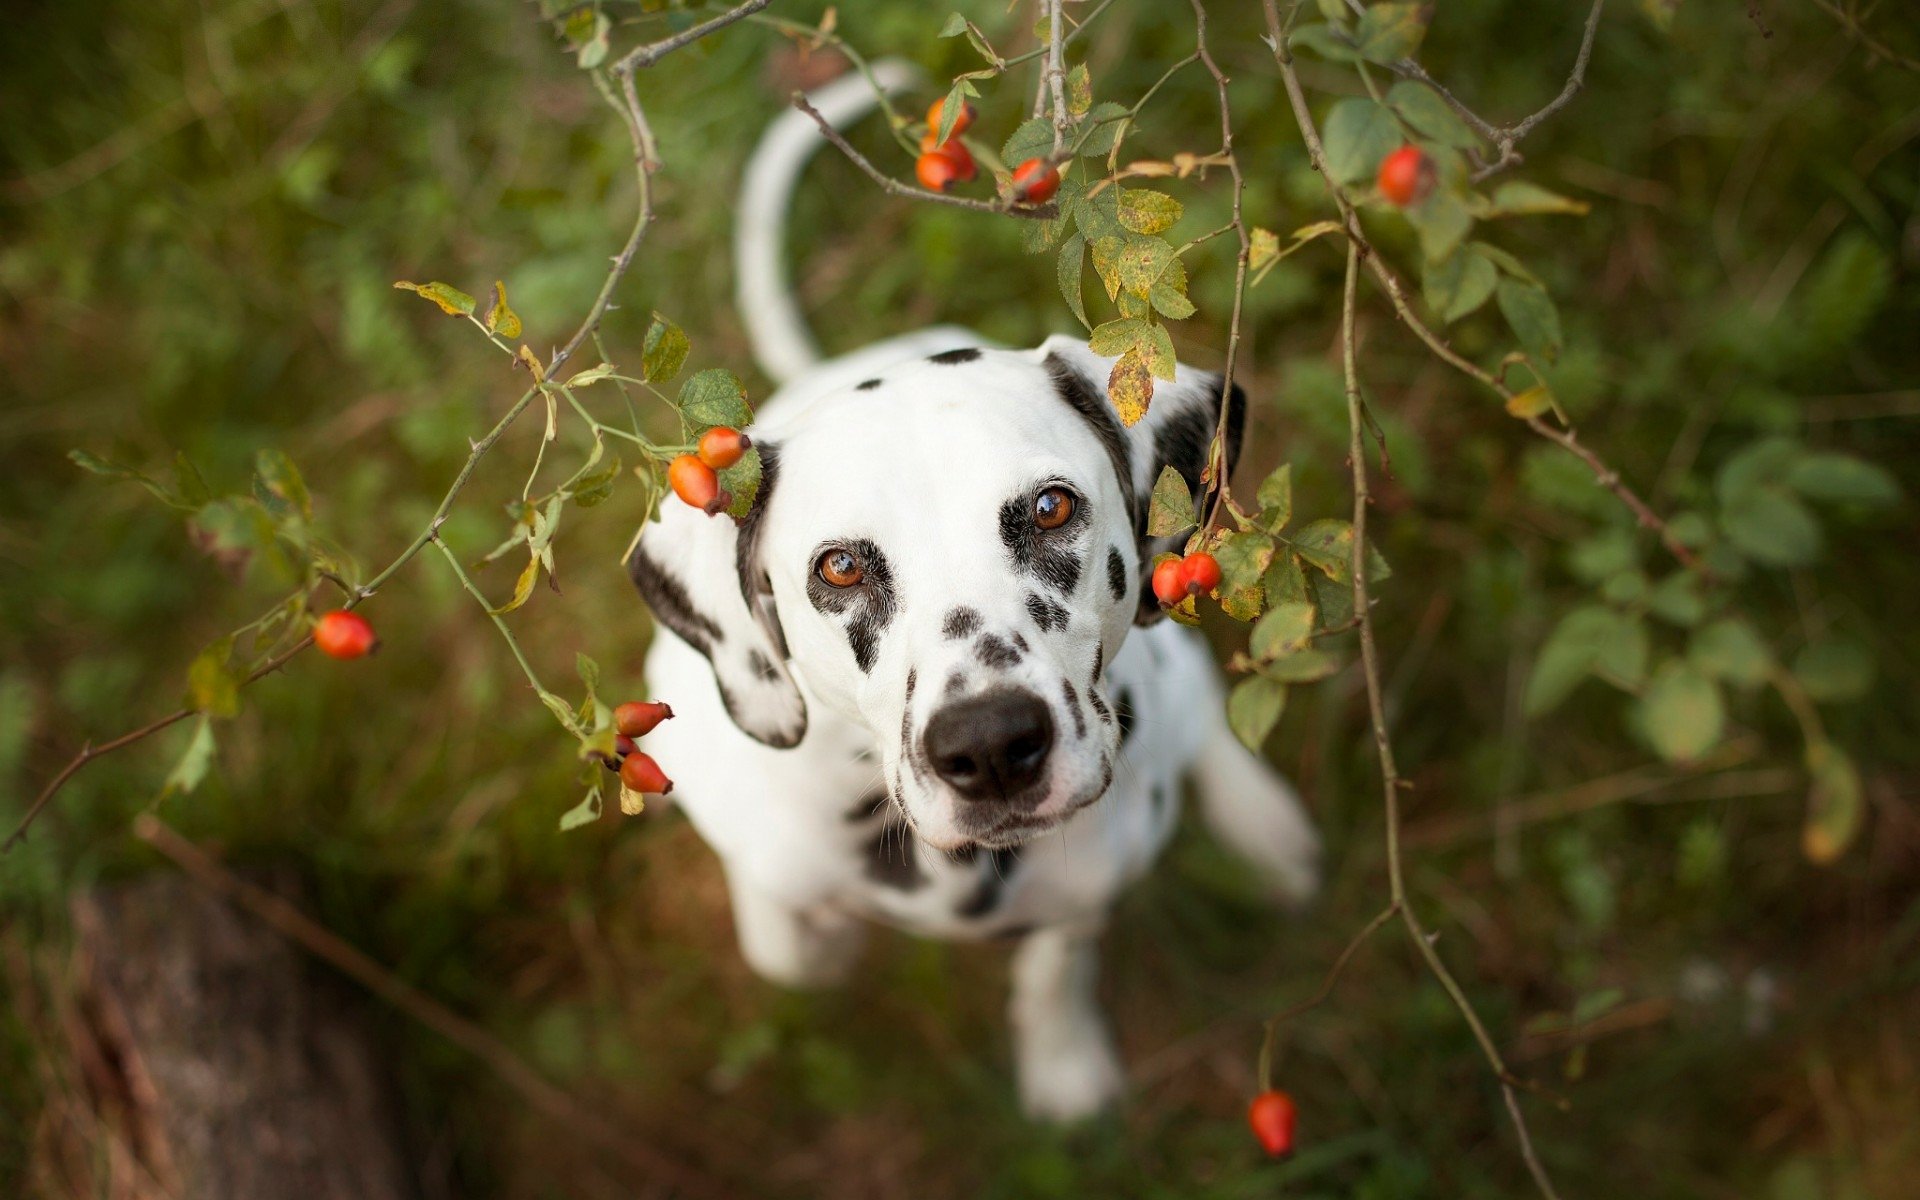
(923, 682)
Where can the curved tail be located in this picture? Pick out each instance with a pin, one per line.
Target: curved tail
(782, 343)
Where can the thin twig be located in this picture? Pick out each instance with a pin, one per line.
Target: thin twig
(1056, 78)
(550, 1101)
(653, 52)
(1273, 1023)
(894, 187)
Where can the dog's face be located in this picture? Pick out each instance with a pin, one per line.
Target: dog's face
(948, 554)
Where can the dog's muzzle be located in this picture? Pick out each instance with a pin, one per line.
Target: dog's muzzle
(992, 750)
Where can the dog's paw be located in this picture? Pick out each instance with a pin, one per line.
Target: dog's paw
(1071, 1078)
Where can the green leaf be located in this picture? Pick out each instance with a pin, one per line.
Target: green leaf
(1327, 545)
(501, 319)
(1567, 656)
(593, 51)
(1729, 650)
(1105, 122)
(1771, 526)
(1834, 807)
(1169, 293)
(212, 686)
(1518, 198)
(1072, 269)
(951, 107)
(1243, 558)
(1286, 629)
(742, 481)
(1678, 598)
(191, 768)
(1357, 135)
(1842, 479)
(1140, 263)
(591, 489)
(1276, 498)
(1116, 337)
(1285, 582)
(1390, 32)
(1681, 713)
(591, 375)
(1421, 107)
(955, 26)
(1458, 284)
(584, 813)
(1145, 211)
(664, 352)
(1302, 667)
(1034, 139)
(1442, 222)
(1254, 708)
(1834, 671)
(452, 301)
(714, 397)
(279, 487)
(1535, 321)
(113, 470)
(1079, 90)
(1325, 41)
(1759, 464)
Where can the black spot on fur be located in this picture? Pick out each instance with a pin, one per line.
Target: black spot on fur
(667, 597)
(1116, 573)
(907, 748)
(762, 666)
(1049, 615)
(994, 652)
(961, 622)
(1099, 665)
(1013, 933)
(892, 862)
(1159, 800)
(1073, 706)
(1099, 703)
(964, 854)
(866, 608)
(994, 874)
(1123, 706)
(1048, 554)
(956, 683)
(1020, 643)
(1086, 400)
(964, 354)
(866, 385)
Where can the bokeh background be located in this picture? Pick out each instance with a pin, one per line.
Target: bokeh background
(203, 207)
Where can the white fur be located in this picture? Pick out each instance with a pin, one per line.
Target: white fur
(921, 467)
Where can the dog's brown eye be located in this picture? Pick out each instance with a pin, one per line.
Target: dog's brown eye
(1053, 508)
(839, 568)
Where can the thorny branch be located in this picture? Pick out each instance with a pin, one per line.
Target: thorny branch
(1056, 77)
(894, 187)
(626, 102)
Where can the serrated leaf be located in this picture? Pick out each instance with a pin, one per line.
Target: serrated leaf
(501, 319)
(1105, 122)
(1681, 712)
(951, 107)
(1286, 582)
(1171, 508)
(1140, 262)
(1146, 211)
(1071, 270)
(1156, 347)
(1286, 629)
(742, 482)
(1530, 312)
(1116, 337)
(1834, 806)
(664, 351)
(1079, 90)
(1130, 387)
(1033, 139)
(1244, 559)
(1276, 498)
(452, 301)
(1388, 33)
(714, 397)
(191, 768)
(1327, 546)
(1254, 708)
(1357, 135)
(212, 686)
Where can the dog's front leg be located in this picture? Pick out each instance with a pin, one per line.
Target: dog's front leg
(1067, 1065)
(791, 946)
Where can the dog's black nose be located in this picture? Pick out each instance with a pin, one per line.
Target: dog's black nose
(992, 746)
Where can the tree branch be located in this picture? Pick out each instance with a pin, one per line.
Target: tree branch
(646, 56)
(894, 187)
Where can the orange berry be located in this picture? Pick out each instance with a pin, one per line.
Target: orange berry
(721, 447)
(343, 634)
(641, 774)
(695, 482)
(638, 718)
(1170, 582)
(1035, 181)
(967, 113)
(1202, 571)
(935, 171)
(1407, 176)
(1272, 1117)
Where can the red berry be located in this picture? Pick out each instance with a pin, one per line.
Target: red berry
(1202, 572)
(1035, 181)
(637, 718)
(623, 745)
(1170, 582)
(721, 447)
(935, 171)
(641, 774)
(342, 634)
(1407, 176)
(1272, 1116)
(967, 113)
(695, 482)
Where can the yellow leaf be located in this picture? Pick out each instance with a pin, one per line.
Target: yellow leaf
(500, 318)
(452, 301)
(1130, 387)
(1530, 403)
(522, 588)
(632, 803)
(532, 363)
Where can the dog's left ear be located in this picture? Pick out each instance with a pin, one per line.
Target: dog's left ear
(1176, 432)
(702, 578)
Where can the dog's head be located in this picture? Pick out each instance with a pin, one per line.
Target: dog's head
(949, 554)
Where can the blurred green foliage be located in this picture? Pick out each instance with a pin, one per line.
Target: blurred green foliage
(203, 209)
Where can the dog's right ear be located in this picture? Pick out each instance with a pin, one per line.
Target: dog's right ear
(702, 578)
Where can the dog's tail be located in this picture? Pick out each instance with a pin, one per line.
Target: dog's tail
(1255, 813)
(782, 343)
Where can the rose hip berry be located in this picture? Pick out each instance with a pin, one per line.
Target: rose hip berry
(694, 482)
(967, 113)
(637, 718)
(1272, 1116)
(1407, 176)
(721, 447)
(1035, 181)
(342, 634)
(1170, 582)
(940, 167)
(1202, 571)
(639, 773)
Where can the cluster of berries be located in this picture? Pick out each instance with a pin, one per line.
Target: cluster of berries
(943, 164)
(692, 475)
(638, 771)
(1176, 578)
